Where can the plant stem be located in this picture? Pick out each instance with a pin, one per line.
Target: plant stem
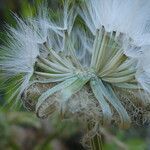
(96, 140)
(96, 143)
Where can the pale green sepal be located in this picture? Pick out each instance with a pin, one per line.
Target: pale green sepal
(46, 68)
(52, 75)
(128, 86)
(115, 102)
(51, 80)
(96, 88)
(73, 88)
(122, 79)
(51, 91)
(55, 66)
(58, 59)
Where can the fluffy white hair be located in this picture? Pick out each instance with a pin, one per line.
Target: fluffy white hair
(132, 19)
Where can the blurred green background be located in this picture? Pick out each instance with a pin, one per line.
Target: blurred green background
(24, 131)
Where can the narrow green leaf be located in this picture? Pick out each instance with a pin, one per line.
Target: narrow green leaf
(123, 73)
(113, 63)
(66, 89)
(52, 75)
(52, 80)
(113, 99)
(73, 88)
(55, 66)
(122, 79)
(96, 88)
(46, 68)
(97, 41)
(51, 91)
(127, 86)
(57, 58)
(102, 51)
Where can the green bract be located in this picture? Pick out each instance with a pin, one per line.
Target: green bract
(109, 67)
